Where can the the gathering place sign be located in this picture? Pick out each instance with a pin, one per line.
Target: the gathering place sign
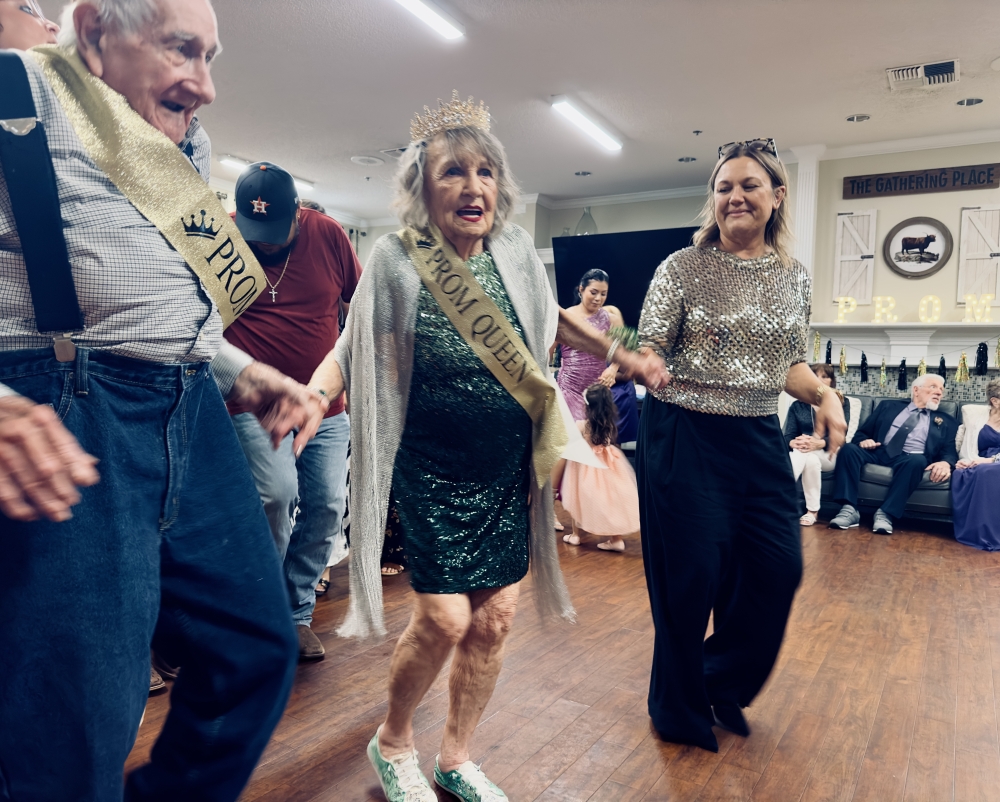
(916, 182)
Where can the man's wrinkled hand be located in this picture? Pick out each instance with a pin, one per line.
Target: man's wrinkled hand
(644, 366)
(939, 471)
(41, 463)
(281, 404)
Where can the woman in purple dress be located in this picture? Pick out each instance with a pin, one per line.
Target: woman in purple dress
(580, 370)
(975, 485)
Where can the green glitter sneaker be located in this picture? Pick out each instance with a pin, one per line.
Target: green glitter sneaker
(468, 783)
(401, 777)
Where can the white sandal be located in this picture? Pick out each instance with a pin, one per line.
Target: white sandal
(809, 519)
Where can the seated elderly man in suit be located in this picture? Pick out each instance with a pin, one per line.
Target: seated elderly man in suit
(907, 437)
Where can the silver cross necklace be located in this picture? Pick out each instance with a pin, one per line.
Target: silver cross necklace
(274, 287)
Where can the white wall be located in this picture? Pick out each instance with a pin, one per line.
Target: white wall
(671, 213)
(372, 235)
(943, 206)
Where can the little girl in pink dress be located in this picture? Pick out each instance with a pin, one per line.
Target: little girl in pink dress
(602, 501)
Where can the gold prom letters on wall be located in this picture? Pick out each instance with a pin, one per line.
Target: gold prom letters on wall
(845, 305)
(978, 310)
(884, 304)
(929, 310)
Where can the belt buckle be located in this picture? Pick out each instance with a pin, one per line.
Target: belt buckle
(19, 126)
(64, 347)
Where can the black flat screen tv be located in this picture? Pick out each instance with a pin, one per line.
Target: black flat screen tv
(629, 258)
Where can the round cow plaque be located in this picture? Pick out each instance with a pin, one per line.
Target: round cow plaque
(918, 247)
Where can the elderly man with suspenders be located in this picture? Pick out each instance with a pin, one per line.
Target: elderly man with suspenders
(118, 271)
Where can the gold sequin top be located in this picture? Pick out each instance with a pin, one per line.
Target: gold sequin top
(728, 329)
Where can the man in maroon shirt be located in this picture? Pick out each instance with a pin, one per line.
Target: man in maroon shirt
(311, 271)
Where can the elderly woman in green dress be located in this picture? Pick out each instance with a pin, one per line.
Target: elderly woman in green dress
(444, 361)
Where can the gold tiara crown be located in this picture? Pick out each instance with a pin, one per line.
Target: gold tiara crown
(451, 115)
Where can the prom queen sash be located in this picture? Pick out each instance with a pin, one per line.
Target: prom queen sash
(493, 339)
(150, 170)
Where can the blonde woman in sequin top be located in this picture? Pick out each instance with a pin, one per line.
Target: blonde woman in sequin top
(718, 507)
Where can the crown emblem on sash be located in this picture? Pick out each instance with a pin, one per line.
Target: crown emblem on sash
(455, 114)
(194, 229)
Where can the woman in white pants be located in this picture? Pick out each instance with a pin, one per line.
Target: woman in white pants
(808, 453)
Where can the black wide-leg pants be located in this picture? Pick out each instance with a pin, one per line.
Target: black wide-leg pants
(720, 531)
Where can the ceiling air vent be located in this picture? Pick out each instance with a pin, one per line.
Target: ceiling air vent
(919, 76)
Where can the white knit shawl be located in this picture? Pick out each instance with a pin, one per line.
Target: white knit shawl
(375, 353)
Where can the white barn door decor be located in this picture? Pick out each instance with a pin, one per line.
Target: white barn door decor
(979, 253)
(854, 263)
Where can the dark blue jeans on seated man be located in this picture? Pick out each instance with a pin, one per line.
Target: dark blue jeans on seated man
(170, 548)
(907, 471)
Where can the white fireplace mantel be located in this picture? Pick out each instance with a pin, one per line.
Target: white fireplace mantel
(909, 341)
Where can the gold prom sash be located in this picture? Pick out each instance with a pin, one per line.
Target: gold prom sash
(157, 178)
(493, 339)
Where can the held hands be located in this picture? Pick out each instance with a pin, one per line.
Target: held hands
(807, 443)
(962, 464)
(609, 375)
(281, 404)
(643, 365)
(41, 463)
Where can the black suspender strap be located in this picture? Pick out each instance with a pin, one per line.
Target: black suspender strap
(31, 183)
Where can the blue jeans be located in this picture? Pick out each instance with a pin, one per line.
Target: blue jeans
(171, 548)
(316, 483)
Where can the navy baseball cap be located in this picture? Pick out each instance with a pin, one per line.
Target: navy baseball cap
(266, 200)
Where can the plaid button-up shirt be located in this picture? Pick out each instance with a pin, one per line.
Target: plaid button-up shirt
(138, 296)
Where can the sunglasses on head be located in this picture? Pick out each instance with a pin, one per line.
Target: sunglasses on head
(766, 145)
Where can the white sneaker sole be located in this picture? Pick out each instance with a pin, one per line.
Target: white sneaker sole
(838, 526)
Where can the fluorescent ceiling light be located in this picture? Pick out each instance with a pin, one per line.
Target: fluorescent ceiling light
(584, 123)
(232, 161)
(305, 186)
(432, 16)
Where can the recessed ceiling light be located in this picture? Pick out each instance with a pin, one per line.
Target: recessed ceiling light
(568, 110)
(367, 161)
(995, 64)
(582, 173)
(434, 17)
(687, 159)
(970, 101)
(859, 118)
(232, 161)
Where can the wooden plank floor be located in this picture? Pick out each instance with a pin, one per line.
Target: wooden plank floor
(885, 690)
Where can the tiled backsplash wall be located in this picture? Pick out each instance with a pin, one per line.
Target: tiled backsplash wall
(972, 390)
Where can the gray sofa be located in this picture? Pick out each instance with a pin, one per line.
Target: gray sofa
(930, 501)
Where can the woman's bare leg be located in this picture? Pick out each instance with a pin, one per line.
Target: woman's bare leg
(439, 622)
(475, 668)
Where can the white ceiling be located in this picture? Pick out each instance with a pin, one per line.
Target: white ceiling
(310, 83)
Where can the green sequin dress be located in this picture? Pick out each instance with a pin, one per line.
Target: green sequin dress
(462, 474)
